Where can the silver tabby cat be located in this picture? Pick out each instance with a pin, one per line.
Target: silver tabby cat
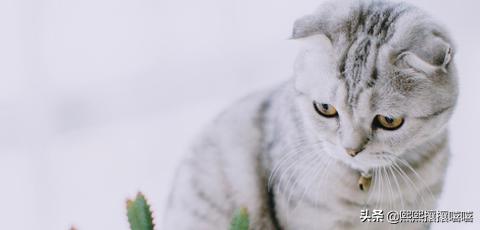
(373, 89)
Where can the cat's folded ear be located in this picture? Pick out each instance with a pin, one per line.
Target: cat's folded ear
(316, 59)
(428, 56)
(307, 26)
(310, 31)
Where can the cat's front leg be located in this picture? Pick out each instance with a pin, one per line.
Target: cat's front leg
(197, 200)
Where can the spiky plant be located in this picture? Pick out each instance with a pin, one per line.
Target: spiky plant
(139, 213)
(240, 220)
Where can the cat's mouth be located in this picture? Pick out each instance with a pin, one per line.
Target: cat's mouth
(364, 161)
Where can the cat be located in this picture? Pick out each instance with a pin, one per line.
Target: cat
(373, 88)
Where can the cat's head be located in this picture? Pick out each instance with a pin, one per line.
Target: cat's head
(374, 78)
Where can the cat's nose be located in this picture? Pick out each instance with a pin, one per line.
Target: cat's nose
(352, 152)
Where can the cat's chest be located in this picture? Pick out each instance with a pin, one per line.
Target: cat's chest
(336, 202)
(333, 212)
(329, 210)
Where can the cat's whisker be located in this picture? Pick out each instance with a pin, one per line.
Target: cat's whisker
(404, 178)
(291, 179)
(382, 182)
(313, 178)
(379, 192)
(410, 182)
(286, 156)
(303, 174)
(433, 197)
(290, 158)
(292, 183)
(395, 179)
(286, 186)
(324, 177)
(322, 181)
(388, 188)
(419, 178)
(389, 182)
(376, 188)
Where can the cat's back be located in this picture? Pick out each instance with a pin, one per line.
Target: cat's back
(222, 172)
(238, 127)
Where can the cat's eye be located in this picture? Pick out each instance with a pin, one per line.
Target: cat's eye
(388, 123)
(325, 110)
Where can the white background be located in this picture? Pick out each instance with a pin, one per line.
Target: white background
(100, 98)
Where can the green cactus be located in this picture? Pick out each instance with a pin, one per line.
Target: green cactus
(240, 220)
(139, 214)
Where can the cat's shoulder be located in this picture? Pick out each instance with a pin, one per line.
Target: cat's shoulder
(239, 126)
(243, 116)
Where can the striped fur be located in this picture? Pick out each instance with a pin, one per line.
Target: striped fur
(275, 155)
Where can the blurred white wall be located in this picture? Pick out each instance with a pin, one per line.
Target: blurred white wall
(100, 98)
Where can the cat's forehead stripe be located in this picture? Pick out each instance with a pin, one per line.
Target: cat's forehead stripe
(375, 19)
(369, 27)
